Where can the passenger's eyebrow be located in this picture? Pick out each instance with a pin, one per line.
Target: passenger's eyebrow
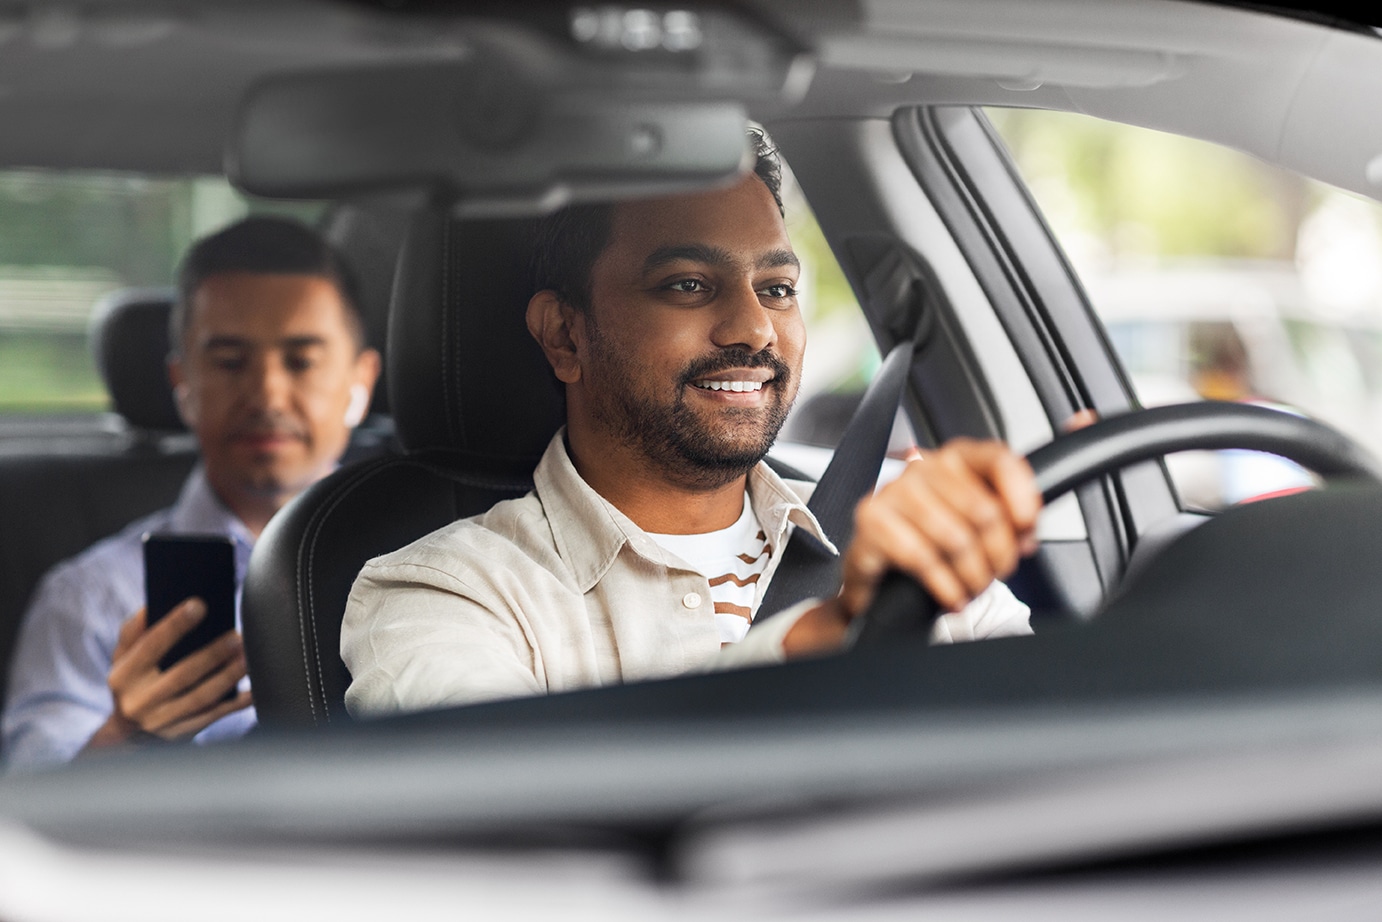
(302, 342)
(224, 342)
(237, 342)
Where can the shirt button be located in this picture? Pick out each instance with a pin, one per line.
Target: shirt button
(691, 600)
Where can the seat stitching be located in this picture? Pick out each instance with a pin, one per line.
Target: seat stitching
(307, 626)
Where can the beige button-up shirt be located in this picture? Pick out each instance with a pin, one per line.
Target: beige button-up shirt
(560, 590)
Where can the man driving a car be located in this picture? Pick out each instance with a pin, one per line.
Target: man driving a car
(655, 526)
(270, 372)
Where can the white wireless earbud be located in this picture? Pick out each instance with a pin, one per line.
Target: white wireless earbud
(359, 403)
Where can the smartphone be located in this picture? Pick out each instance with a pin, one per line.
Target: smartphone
(177, 567)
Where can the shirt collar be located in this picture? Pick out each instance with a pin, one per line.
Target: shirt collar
(779, 503)
(589, 531)
(199, 511)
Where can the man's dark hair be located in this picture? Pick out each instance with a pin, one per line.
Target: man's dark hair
(570, 240)
(269, 245)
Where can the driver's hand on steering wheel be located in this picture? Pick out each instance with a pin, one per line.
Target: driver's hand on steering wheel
(956, 519)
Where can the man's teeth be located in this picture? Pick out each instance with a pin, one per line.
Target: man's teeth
(736, 386)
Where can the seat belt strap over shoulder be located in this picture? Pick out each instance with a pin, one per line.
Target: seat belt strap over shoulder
(808, 569)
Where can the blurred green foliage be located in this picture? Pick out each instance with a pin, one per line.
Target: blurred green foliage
(830, 307)
(126, 229)
(831, 293)
(1146, 193)
(48, 372)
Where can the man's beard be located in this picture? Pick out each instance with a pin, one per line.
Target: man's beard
(674, 437)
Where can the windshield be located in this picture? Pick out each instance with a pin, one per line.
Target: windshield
(685, 533)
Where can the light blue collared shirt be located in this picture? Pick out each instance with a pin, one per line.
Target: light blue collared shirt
(58, 696)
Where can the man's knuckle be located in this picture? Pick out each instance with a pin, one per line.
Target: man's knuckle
(953, 539)
(984, 511)
(972, 567)
(952, 457)
(925, 562)
(869, 513)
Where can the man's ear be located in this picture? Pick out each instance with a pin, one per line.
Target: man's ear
(182, 394)
(558, 328)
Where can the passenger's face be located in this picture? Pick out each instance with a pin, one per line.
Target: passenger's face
(695, 339)
(265, 382)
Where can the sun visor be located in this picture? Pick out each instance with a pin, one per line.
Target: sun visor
(481, 131)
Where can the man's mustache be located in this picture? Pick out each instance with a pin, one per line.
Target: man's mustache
(736, 358)
(268, 424)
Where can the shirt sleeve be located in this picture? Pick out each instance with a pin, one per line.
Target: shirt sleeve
(58, 696)
(406, 627)
(995, 612)
(762, 646)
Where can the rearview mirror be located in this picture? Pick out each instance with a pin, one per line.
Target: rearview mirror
(481, 129)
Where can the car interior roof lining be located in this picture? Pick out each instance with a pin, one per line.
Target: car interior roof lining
(190, 69)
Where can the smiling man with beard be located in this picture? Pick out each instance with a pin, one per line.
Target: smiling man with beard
(270, 372)
(654, 525)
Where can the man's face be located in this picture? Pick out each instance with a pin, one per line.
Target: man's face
(265, 382)
(694, 339)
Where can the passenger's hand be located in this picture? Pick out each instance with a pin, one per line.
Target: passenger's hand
(177, 703)
(956, 519)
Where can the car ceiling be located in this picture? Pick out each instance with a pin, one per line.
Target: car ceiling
(153, 85)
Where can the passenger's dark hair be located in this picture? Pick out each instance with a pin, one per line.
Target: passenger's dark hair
(570, 240)
(269, 245)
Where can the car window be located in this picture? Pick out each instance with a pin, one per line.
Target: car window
(1217, 277)
(833, 376)
(69, 238)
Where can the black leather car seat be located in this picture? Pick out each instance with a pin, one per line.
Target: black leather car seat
(62, 492)
(474, 405)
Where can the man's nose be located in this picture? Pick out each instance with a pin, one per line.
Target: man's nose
(745, 322)
(270, 384)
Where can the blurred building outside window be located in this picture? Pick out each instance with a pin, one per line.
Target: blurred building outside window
(1217, 277)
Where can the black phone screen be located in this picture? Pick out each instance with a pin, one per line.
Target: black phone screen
(177, 567)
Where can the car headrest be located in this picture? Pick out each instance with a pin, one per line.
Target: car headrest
(129, 337)
(464, 374)
(368, 233)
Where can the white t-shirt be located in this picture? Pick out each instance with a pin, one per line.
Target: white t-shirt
(733, 559)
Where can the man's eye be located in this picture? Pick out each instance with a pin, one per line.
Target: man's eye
(229, 363)
(782, 290)
(298, 363)
(688, 286)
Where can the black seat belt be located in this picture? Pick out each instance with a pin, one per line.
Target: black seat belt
(808, 569)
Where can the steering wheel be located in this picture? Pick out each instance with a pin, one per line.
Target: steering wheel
(904, 608)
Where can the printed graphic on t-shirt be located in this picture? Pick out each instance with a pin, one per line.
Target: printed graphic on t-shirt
(742, 572)
(733, 560)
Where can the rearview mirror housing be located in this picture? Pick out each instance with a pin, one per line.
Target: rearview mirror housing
(517, 117)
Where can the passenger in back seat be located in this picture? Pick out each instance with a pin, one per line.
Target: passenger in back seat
(271, 372)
